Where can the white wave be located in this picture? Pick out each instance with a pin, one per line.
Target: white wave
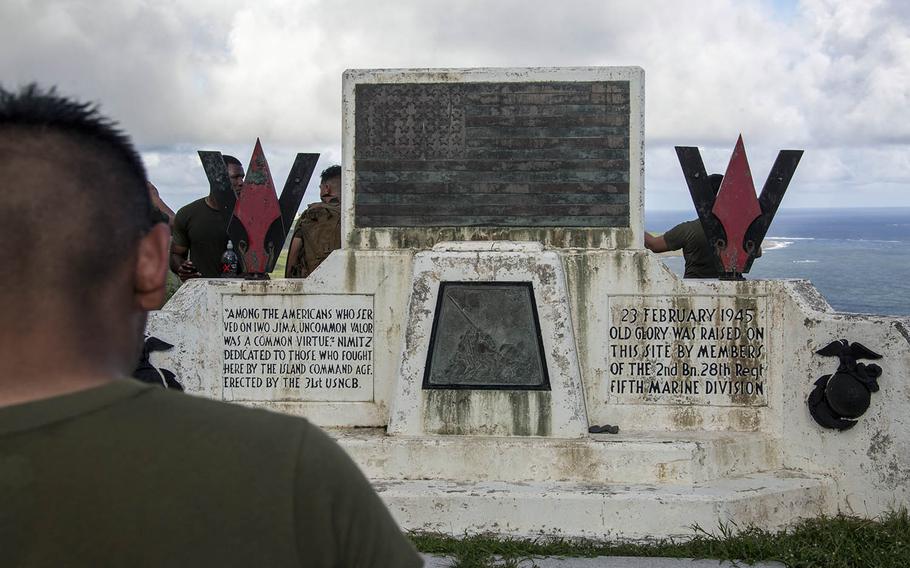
(790, 238)
(870, 241)
(774, 245)
(805, 261)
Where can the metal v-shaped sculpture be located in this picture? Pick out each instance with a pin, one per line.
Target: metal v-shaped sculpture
(734, 221)
(736, 207)
(259, 221)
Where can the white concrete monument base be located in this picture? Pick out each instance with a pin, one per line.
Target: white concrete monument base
(707, 380)
(641, 486)
(678, 459)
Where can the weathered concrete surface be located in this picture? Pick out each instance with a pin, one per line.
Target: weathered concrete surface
(868, 465)
(668, 458)
(770, 500)
(595, 278)
(559, 412)
(192, 322)
(870, 462)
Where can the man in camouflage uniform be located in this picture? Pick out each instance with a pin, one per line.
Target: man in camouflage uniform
(318, 231)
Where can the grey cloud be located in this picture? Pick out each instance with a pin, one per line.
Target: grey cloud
(832, 77)
(135, 57)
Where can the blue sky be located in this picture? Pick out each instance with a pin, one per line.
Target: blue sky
(831, 77)
(785, 9)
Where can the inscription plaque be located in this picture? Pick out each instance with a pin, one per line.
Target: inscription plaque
(284, 347)
(535, 154)
(687, 350)
(486, 335)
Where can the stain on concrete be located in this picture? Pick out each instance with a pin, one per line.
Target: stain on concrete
(419, 238)
(810, 295)
(487, 412)
(902, 329)
(687, 418)
(889, 464)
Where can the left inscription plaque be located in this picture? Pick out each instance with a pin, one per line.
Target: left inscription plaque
(315, 347)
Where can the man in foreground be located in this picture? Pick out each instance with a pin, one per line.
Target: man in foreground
(318, 231)
(200, 237)
(100, 470)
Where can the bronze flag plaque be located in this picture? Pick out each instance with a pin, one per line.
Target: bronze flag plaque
(536, 154)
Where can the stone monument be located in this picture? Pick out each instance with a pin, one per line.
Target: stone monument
(493, 300)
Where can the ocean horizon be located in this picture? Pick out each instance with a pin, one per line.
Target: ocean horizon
(858, 258)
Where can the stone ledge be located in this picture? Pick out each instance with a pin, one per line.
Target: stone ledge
(641, 457)
(487, 246)
(770, 501)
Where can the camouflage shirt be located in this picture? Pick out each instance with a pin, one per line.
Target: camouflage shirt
(319, 227)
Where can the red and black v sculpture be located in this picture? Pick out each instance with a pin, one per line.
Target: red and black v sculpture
(258, 221)
(735, 221)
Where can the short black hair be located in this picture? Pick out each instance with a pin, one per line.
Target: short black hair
(716, 180)
(73, 195)
(329, 173)
(228, 160)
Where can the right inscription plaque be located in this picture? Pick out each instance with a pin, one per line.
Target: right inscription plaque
(492, 154)
(687, 350)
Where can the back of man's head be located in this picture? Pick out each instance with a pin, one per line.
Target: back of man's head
(330, 172)
(73, 204)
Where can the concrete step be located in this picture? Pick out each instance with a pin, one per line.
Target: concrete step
(769, 500)
(644, 457)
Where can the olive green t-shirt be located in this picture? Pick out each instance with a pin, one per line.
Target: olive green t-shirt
(690, 237)
(133, 475)
(201, 229)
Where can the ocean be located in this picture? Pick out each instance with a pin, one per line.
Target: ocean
(859, 259)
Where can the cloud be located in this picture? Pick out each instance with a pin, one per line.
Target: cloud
(827, 76)
(145, 61)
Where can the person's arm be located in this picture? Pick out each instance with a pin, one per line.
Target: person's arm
(290, 269)
(180, 249)
(159, 204)
(655, 244)
(178, 255)
(181, 266)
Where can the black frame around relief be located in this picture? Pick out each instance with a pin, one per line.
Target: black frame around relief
(544, 386)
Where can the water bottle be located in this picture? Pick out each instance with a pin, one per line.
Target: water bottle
(229, 262)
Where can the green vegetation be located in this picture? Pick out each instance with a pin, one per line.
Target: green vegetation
(838, 542)
(171, 285)
(279, 266)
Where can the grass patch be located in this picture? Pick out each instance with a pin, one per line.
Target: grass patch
(829, 542)
(280, 264)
